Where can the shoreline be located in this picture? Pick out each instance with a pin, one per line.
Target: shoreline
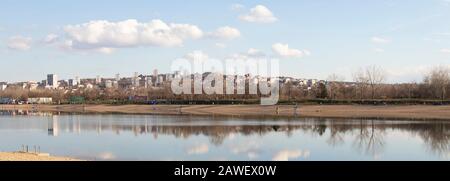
(409, 112)
(21, 156)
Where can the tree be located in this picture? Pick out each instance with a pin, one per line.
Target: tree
(438, 80)
(361, 82)
(322, 92)
(333, 85)
(375, 76)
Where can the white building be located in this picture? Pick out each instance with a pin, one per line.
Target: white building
(40, 100)
(155, 73)
(135, 80)
(33, 86)
(148, 82)
(98, 80)
(117, 77)
(108, 83)
(77, 80)
(3, 86)
(89, 86)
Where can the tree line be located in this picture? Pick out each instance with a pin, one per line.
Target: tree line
(368, 83)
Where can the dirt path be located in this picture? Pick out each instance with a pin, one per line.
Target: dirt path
(331, 111)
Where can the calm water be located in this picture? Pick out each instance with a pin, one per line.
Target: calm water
(149, 137)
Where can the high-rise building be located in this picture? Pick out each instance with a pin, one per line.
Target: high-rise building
(117, 77)
(3, 86)
(98, 80)
(135, 80)
(71, 83)
(148, 82)
(77, 80)
(52, 80)
(155, 73)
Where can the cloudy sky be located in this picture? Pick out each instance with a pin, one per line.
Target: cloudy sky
(311, 38)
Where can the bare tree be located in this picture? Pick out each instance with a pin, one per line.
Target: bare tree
(361, 81)
(438, 79)
(375, 76)
(334, 85)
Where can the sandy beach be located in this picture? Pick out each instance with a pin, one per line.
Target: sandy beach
(18, 156)
(417, 112)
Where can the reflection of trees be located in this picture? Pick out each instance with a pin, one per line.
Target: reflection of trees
(369, 137)
(337, 133)
(435, 136)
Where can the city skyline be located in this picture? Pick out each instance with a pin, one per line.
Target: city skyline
(406, 38)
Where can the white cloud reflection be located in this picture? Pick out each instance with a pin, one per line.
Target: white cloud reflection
(286, 155)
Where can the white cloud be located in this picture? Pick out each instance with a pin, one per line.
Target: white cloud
(198, 149)
(285, 155)
(251, 53)
(221, 45)
(51, 38)
(68, 46)
(249, 148)
(378, 50)
(129, 33)
(197, 55)
(259, 14)
(237, 7)
(19, 43)
(226, 32)
(105, 50)
(379, 40)
(445, 50)
(284, 51)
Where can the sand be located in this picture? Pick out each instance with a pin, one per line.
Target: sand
(417, 112)
(16, 156)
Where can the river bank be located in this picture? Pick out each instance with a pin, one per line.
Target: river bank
(19, 156)
(325, 111)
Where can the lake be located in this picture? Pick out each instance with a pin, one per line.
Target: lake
(157, 137)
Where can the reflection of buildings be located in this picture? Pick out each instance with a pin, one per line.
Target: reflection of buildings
(53, 126)
(365, 136)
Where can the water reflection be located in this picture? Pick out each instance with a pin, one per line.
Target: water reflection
(367, 137)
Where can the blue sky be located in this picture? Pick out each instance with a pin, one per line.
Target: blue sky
(405, 37)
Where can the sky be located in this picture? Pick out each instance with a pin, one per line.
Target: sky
(311, 38)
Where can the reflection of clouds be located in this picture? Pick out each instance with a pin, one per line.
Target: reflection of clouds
(106, 156)
(250, 148)
(377, 156)
(285, 155)
(198, 149)
(252, 155)
(306, 154)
